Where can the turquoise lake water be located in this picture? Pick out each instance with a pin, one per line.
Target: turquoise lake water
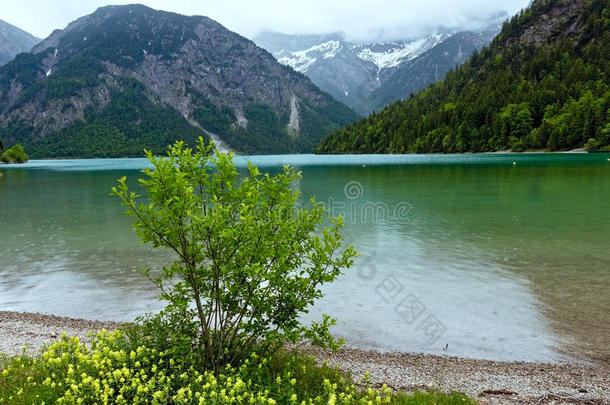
(499, 256)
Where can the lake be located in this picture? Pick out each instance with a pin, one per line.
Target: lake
(494, 256)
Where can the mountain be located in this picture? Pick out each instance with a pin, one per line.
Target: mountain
(429, 67)
(14, 41)
(364, 75)
(129, 77)
(543, 83)
(350, 72)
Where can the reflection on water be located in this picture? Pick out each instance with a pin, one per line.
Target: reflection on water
(408, 300)
(463, 255)
(68, 249)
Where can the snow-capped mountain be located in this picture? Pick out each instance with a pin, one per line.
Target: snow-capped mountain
(391, 54)
(426, 68)
(353, 72)
(301, 61)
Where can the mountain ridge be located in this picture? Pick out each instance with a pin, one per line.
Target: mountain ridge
(353, 72)
(127, 60)
(13, 41)
(430, 66)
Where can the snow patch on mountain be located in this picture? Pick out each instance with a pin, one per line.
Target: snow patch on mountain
(383, 55)
(302, 60)
(390, 55)
(300, 63)
(393, 56)
(352, 71)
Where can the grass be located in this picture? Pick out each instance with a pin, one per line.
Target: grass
(109, 372)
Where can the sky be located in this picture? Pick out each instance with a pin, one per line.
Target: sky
(360, 20)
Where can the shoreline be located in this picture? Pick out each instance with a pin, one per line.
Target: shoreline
(578, 150)
(489, 382)
(498, 152)
(35, 330)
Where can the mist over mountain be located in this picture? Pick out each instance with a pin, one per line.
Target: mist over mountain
(14, 41)
(368, 76)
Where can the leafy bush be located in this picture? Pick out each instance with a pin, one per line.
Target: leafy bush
(249, 261)
(16, 154)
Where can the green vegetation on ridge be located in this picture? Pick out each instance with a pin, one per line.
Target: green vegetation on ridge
(15, 154)
(266, 129)
(514, 95)
(128, 124)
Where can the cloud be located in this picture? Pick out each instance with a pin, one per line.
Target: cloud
(363, 19)
(360, 20)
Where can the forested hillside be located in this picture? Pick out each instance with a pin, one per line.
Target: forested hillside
(543, 83)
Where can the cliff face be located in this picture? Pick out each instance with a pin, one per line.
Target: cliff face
(201, 75)
(560, 19)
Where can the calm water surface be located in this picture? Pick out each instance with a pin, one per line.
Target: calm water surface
(488, 256)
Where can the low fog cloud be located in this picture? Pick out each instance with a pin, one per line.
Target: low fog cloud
(364, 20)
(360, 20)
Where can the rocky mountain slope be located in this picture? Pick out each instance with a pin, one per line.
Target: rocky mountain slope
(543, 83)
(13, 41)
(429, 67)
(369, 76)
(129, 77)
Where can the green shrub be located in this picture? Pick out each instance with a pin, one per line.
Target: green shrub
(249, 260)
(16, 154)
(593, 145)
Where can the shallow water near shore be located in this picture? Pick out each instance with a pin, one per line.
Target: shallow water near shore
(501, 257)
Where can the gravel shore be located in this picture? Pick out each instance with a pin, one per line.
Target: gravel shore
(19, 329)
(490, 382)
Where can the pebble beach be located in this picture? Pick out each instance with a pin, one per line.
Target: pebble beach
(489, 382)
